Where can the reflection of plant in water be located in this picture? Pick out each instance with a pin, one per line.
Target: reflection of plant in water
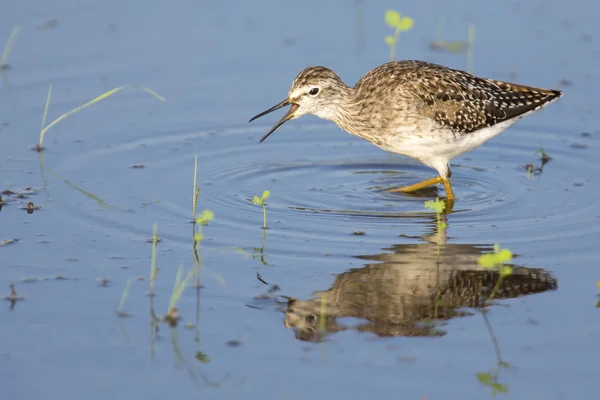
(438, 206)
(261, 202)
(120, 309)
(495, 260)
(399, 24)
(44, 129)
(260, 251)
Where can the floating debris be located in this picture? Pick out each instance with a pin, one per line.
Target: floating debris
(30, 207)
(578, 146)
(47, 24)
(172, 317)
(103, 281)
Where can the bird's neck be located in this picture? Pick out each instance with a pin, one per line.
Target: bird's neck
(345, 111)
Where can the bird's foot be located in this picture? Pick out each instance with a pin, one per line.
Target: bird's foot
(427, 183)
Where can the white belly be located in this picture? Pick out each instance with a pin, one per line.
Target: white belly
(438, 145)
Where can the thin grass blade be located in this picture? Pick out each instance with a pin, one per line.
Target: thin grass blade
(94, 101)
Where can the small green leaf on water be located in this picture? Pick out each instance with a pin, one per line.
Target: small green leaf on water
(598, 285)
(265, 195)
(205, 217)
(405, 24)
(390, 40)
(198, 237)
(506, 271)
(499, 388)
(200, 356)
(435, 205)
(392, 18)
(484, 377)
(256, 200)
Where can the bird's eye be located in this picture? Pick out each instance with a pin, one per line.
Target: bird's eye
(313, 91)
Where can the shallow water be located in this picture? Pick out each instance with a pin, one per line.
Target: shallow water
(111, 171)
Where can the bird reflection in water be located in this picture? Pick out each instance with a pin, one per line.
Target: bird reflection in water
(409, 291)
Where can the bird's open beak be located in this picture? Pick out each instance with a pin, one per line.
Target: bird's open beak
(288, 115)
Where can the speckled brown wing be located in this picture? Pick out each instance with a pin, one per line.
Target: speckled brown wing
(462, 102)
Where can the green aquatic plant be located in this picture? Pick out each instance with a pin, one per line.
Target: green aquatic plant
(44, 129)
(203, 219)
(261, 202)
(399, 24)
(490, 379)
(8, 47)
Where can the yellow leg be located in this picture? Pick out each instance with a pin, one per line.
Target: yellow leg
(449, 192)
(419, 186)
(426, 183)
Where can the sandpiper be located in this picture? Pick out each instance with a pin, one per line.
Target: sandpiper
(425, 111)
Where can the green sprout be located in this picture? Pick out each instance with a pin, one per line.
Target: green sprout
(7, 48)
(44, 129)
(261, 202)
(399, 24)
